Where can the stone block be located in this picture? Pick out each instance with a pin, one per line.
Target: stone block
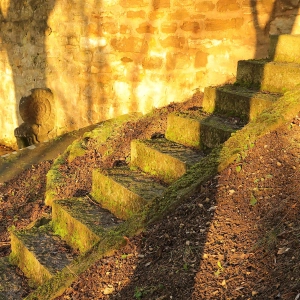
(220, 24)
(201, 59)
(173, 41)
(168, 27)
(190, 26)
(84, 56)
(131, 44)
(199, 130)
(156, 15)
(125, 29)
(126, 59)
(146, 28)
(152, 62)
(204, 6)
(140, 14)
(170, 61)
(179, 15)
(39, 254)
(227, 5)
(94, 28)
(157, 4)
(132, 188)
(80, 222)
(236, 101)
(183, 61)
(174, 159)
(110, 27)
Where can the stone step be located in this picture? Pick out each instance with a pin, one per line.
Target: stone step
(162, 158)
(199, 130)
(276, 77)
(11, 282)
(81, 222)
(285, 48)
(124, 191)
(237, 101)
(39, 253)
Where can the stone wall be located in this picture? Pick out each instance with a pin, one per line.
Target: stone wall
(106, 58)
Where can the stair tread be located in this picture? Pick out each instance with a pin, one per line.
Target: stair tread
(180, 152)
(11, 287)
(250, 93)
(226, 123)
(91, 214)
(271, 62)
(136, 181)
(51, 252)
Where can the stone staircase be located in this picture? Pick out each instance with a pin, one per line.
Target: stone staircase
(118, 194)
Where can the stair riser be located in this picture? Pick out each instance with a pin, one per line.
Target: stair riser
(272, 77)
(285, 48)
(195, 133)
(185, 131)
(76, 234)
(151, 161)
(27, 262)
(213, 136)
(225, 103)
(120, 201)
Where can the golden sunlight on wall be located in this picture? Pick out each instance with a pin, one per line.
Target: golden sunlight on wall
(102, 59)
(8, 118)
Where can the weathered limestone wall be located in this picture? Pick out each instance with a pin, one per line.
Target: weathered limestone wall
(106, 58)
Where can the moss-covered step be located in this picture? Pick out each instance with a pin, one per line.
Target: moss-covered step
(39, 253)
(199, 130)
(81, 222)
(11, 287)
(123, 191)
(237, 101)
(277, 77)
(162, 158)
(285, 48)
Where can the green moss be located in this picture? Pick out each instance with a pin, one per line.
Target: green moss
(75, 150)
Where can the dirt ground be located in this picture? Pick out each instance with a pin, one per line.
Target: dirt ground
(238, 237)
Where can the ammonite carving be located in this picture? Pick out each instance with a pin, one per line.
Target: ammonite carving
(37, 112)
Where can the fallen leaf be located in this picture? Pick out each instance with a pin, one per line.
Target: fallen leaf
(253, 200)
(108, 290)
(212, 208)
(282, 250)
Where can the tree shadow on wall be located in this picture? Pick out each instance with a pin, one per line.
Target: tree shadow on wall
(282, 10)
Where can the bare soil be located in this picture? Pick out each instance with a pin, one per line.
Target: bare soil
(238, 237)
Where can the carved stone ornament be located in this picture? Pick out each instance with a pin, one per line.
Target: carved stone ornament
(37, 112)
